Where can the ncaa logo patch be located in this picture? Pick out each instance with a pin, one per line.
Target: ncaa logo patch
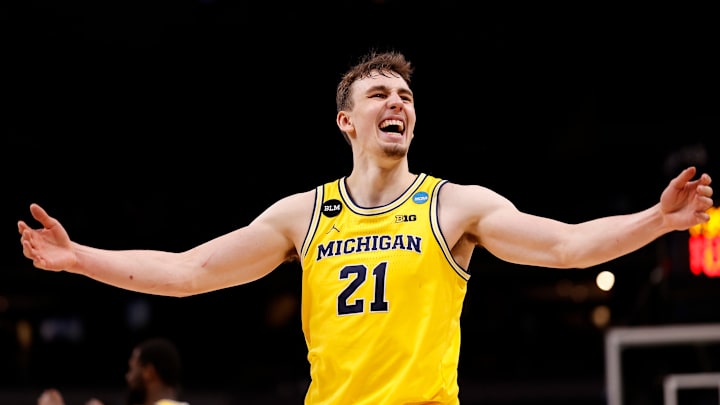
(420, 197)
(331, 208)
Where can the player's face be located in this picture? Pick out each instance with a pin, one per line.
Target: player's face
(383, 114)
(135, 380)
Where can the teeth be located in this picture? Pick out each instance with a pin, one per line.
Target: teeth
(388, 123)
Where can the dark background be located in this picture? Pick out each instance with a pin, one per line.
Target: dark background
(161, 125)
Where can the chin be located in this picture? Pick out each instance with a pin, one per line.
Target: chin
(395, 150)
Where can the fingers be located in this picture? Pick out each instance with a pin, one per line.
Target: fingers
(25, 238)
(22, 226)
(705, 179)
(681, 180)
(27, 247)
(703, 217)
(705, 191)
(40, 214)
(25, 233)
(701, 184)
(29, 252)
(685, 176)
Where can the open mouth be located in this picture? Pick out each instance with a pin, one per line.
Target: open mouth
(393, 126)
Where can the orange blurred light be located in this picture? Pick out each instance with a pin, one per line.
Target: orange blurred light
(704, 246)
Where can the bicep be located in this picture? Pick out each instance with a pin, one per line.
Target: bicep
(248, 253)
(494, 223)
(522, 238)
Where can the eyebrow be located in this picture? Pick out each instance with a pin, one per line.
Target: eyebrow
(386, 89)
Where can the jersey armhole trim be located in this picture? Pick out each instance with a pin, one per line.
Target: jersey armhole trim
(314, 220)
(435, 225)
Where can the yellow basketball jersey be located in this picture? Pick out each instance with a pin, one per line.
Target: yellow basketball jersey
(381, 300)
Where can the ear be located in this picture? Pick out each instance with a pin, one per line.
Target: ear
(149, 373)
(344, 122)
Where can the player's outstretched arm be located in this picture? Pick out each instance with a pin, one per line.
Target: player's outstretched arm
(523, 238)
(238, 257)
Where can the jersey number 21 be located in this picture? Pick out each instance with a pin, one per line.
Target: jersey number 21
(348, 306)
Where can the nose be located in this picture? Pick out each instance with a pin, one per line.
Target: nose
(394, 101)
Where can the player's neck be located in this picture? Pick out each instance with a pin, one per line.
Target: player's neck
(375, 186)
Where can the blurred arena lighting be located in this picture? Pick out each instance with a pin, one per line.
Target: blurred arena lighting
(24, 334)
(68, 329)
(605, 280)
(138, 313)
(601, 316)
(704, 246)
(4, 303)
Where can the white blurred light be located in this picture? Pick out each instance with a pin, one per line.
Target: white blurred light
(605, 280)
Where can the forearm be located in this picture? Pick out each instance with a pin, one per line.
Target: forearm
(608, 238)
(146, 271)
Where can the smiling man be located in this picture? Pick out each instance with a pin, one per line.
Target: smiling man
(385, 252)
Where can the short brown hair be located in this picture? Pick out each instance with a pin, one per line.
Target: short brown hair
(383, 62)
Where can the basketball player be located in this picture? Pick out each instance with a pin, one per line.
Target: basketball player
(153, 376)
(384, 252)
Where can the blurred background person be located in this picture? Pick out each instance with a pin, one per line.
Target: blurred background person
(153, 377)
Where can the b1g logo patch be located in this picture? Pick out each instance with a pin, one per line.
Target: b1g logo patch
(420, 197)
(331, 208)
(405, 218)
